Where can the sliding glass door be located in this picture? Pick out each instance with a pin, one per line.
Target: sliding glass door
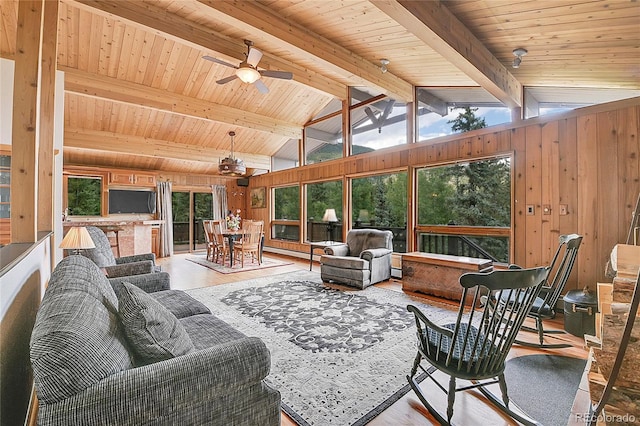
(189, 210)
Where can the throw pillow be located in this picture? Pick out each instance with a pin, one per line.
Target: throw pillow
(152, 330)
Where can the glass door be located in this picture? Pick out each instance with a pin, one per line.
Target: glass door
(181, 206)
(202, 210)
(189, 210)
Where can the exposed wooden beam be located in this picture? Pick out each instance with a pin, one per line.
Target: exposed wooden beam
(110, 88)
(25, 123)
(46, 162)
(148, 16)
(254, 17)
(148, 147)
(435, 25)
(432, 102)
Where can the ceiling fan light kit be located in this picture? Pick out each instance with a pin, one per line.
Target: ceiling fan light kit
(247, 74)
(247, 71)
(232, 166)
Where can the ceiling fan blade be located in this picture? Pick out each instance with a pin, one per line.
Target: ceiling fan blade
(254, 56)
(371, 115)
(219, 61)
(285, 75)
(261, 87)
(388, 109)
(227, 79)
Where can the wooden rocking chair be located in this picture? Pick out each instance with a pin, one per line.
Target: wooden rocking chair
(544, 307)
(475, 347)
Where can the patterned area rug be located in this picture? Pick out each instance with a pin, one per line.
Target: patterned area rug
(226, 269)
(339, 356)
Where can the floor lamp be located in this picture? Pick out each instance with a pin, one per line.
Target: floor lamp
(77, 239)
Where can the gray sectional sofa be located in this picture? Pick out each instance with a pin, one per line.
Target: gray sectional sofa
(105, 352)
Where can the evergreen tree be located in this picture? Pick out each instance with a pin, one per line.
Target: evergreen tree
(467, 121)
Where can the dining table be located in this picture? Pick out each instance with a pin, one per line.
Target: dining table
(232, 235)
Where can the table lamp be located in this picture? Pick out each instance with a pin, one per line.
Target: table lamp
(77, 239)
(331, 218)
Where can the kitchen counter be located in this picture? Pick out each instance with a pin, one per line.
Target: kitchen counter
(135, 236)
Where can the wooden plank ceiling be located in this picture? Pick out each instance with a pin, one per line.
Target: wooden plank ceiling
(138, 93)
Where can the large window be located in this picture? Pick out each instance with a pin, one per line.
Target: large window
(286, 215)
(324, 140)
(464, 209)
(84, 196)
(320, 197)
(380, 202)
(378, 125)
(438, 107)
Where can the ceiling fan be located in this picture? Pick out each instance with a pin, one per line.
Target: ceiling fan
(248, 70)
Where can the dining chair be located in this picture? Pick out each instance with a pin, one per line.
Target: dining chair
(218, 227)
(210, 240)
(250, 243)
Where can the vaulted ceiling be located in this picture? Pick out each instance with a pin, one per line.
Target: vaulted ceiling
(138, 93)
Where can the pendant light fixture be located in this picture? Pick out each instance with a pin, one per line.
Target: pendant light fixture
(232, 166)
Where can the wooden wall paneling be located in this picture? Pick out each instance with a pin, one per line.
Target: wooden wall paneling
(464, 148)
(550, 191)
(477, 146)
(452, 150)
(503, 141)
(629, 160)
(567, 181)
(587, 199)
(533, 171)
(518, 173)
(609, 181)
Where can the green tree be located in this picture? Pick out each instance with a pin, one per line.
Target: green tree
(287, 203)
(84, 196)
(467, 121)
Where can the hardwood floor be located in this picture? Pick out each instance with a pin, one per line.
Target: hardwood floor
(470, 407)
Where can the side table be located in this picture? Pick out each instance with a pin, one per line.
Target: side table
(318, 245)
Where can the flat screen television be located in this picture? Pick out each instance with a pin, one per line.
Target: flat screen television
(130, 201)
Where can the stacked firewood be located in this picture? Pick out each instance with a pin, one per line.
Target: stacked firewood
(614, 301)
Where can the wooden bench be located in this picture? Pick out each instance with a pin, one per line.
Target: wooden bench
(438, 274)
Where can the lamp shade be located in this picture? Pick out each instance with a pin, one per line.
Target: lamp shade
(77, 238)
(247, 74)
(330, 216)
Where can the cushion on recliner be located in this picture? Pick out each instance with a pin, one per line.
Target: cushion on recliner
(102, 255)
(155, 334)
(345, 262)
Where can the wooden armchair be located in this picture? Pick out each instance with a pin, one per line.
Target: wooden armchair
(250, 243)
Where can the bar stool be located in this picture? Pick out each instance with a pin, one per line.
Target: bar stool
(115, 230)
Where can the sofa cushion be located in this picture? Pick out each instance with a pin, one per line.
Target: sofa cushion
(208, 330)
(154, 333)
(180, 303)
(77, 340)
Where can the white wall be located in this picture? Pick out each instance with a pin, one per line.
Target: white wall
(6, 100)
